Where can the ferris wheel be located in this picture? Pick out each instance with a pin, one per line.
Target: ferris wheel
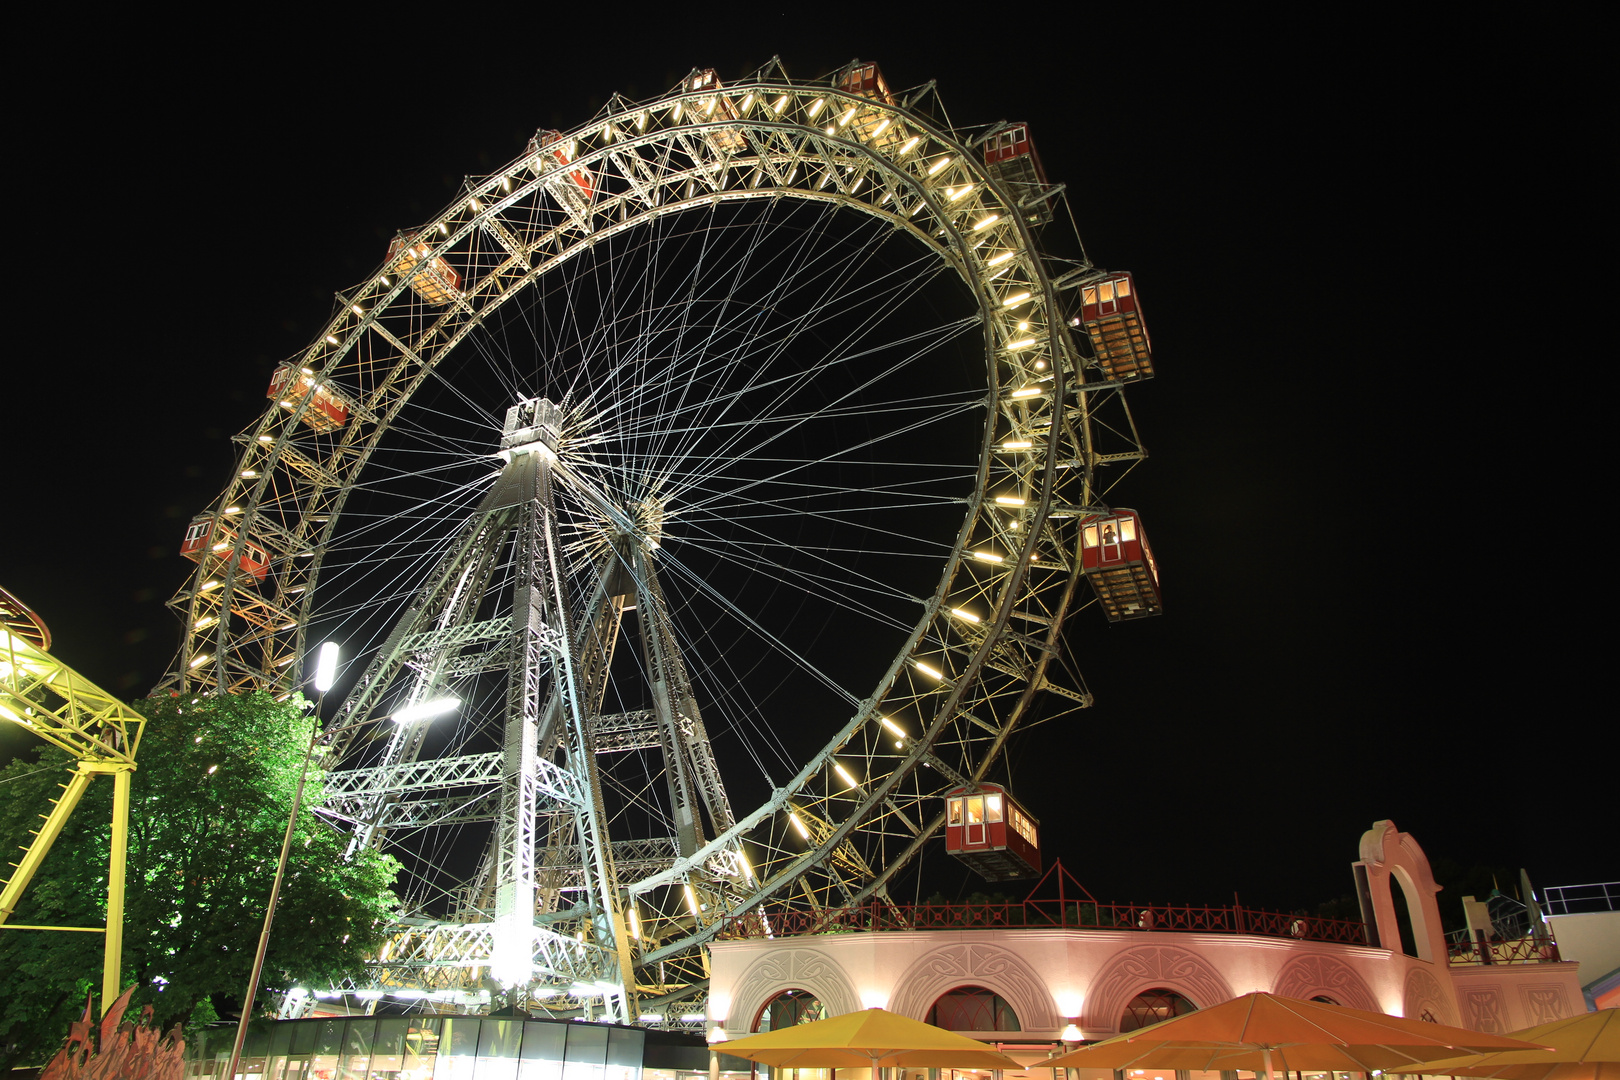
(722, 472)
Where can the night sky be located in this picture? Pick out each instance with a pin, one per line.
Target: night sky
(1366, 253)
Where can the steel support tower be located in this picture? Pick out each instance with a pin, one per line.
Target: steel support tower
(544, 913)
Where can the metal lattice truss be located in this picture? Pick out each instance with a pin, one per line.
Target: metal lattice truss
(440, 956)
(41, 694)
(1056, 435)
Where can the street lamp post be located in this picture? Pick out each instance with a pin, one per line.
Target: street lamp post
(325, 673)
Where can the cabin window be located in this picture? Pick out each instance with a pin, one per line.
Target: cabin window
(1122, 287)
(197, 531)
(1091, 536)
(992, 807)
(1127, 530)
(975, 809)
(955, 811)
(1022, 825)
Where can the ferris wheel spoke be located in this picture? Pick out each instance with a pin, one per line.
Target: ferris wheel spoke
(798, 382)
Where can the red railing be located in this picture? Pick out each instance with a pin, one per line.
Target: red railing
(1530, 950)
(1044, 914)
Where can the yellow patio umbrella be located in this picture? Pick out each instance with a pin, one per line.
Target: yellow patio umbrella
(1584, 1047)
(869, 1039)
(1262, 1032)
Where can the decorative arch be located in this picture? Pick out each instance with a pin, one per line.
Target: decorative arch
(1423, 994)
(1390, 857)
(1147, 967)
(976, 964)
(1306, 977)
(973, 1008)
(790, 969)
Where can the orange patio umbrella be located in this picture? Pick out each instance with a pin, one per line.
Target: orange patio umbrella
(1262, 1032)
(871, 1038)
(1584, 1047)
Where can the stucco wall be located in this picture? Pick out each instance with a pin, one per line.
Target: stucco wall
(1051, 977)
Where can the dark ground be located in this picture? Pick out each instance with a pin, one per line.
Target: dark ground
(1364, 256)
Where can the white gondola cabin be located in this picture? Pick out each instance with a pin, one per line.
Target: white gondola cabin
(290, 385)
(207, 538)
(1011, 158)
(1111, 315)
(990, 832)
(433, 279)
(1117, 560)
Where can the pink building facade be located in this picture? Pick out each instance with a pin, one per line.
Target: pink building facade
(1052, 984)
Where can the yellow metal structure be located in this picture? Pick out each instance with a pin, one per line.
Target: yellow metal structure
(40, 693)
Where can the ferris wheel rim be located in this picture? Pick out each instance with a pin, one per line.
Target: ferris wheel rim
(458, 222)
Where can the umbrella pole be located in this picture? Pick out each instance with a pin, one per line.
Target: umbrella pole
(1265, 1054)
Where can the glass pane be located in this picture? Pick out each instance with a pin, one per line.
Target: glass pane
(498, 1049)
(357, 1049)
(542, 1055)
(992, 806)
(388, 1049)
(323, 1061)
(975, 809)
(421, 1050)
(624, 1052)
(280, 1041)
(956, 811)
(303, 1042)
(587, 1052)
(1123, 287)
(458, 1048)
(1127, 528)
(1091, 536)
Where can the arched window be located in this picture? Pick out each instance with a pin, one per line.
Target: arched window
(1152, 1006)
(788, 1008)
(973, 1008)
(1401, 899)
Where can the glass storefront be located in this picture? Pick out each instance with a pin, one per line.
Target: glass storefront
(427, 1048)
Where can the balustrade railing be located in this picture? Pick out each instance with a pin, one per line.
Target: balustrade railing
(1046, 914)
(1528, 950)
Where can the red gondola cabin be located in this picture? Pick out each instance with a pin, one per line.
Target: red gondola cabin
(434, 280)
(326, 411)
(726, 140)
(208, 538)
(1011, 158)
(1117, 560)
(1112, 318)
(991, 833)
(575, 188)
(869, 125)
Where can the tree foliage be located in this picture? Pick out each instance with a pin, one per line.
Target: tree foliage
(209, 804)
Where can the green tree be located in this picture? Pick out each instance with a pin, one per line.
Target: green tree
(209, 803)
